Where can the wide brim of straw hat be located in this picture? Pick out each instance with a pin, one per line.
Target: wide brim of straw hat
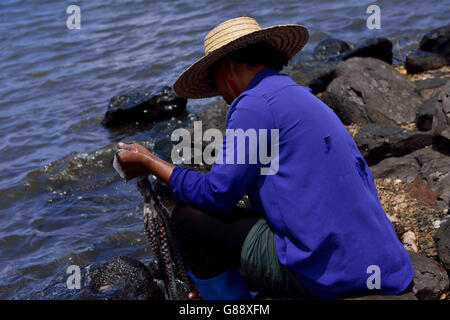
(195, 81)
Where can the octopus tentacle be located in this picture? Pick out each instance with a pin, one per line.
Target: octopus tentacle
(173, 243)
(164, 244)
(151, 231)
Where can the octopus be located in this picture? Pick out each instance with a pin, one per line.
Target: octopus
(163, 242)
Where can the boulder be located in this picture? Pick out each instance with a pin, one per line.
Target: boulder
(430, 279)
(140, 107)
(425, 114)
(441, 120)
(368, 90)
(404, 168)
(313, 74)
(124, 278)
(442, 238)
(330, 47)
(420, 61)
(212, 116)
(376, 141)
(437, 41)
(432, 84)
(379, 48)
(429, 282)
(429, 165)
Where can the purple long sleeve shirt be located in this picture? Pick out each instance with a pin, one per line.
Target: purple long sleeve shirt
(321, 200)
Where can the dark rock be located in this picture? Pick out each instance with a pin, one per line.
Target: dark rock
(141, 107)
(425, 114)
(212, 116)
(379, 48)
(404, 168)
(441, 120)
(437, 41)
(330, 47)
(377, 142)
(442, 238)
(430, 86)
(429, 282)
(430, 278)
(430, 166)
(368, 90)
(313, 74)
(421, 61)
(125, 278)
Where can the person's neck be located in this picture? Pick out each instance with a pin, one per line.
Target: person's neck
(249, 74)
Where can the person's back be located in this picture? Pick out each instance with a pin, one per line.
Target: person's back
(323, 204)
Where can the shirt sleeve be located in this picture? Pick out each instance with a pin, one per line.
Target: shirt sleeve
(220, 189)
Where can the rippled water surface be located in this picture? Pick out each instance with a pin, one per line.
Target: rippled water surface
(60, 201)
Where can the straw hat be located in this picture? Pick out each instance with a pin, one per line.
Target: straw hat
(230, 36)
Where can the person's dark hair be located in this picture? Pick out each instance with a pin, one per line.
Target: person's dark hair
(255, 54)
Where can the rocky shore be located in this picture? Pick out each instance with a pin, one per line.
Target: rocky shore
(399, 117)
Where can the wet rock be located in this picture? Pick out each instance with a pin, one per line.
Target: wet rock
(330, 47)
(441, 120)
(425, 114)
(368, 90)
(430, 278)
(377, 142)
(379, 48)
(142, 107)
(212, 116)
(125, 278)
(420, 61)
(429, 165)
(313, 74)
(442, 238)
(437, 41)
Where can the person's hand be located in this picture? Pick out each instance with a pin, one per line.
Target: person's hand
(133, 147)
(136, 160)
(133, 162)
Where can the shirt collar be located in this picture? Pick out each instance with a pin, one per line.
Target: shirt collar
(259, 76)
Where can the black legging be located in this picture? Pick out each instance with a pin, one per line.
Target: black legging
(211, 242)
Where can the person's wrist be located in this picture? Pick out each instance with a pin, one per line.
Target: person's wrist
(146, 163)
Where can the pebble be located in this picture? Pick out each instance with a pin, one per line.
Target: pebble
(437, 224)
